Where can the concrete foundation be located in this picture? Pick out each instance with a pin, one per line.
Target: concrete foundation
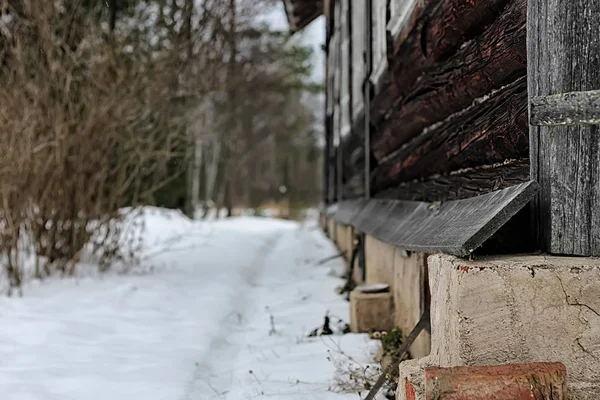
(331, 231)
(322, 221)
(371, 311)
(405, 274)
(380, 262)
(349, 240)
(408, 286)
(340, 235)
(357, 272)
(516, 309)
(345, 240)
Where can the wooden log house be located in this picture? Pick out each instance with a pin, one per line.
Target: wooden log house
(445, 84)
(464, 128)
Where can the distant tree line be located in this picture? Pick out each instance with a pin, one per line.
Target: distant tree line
(119, 103)
(256, 133)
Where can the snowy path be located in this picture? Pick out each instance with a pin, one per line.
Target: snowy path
(224, 315)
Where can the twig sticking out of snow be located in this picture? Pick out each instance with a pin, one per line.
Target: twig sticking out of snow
(350, 376)
(323, 261)
(421, 325)
(272, 331)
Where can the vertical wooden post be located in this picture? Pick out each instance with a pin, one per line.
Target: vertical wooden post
(563, 57)
(340, 172)
(326, 152)
(345, 97)
(328, 112)
(337, 123)
(362, 261)
(367, 96)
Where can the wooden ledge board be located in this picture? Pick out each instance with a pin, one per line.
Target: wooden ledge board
(348, 210)
(456, 227)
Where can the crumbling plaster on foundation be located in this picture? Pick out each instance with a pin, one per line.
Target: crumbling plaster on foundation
(517, 309)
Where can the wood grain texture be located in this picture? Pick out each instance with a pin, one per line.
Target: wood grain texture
(347, 210)
(373, 214)
(575, 108)
(489, 132)
(432, 34)
(461, 184)
(455, 227)
(564, 56)
(495, 59)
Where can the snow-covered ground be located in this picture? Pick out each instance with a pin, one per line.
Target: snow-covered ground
(218, 310)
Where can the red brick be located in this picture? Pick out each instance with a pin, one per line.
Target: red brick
(535, 381)
(411, 393)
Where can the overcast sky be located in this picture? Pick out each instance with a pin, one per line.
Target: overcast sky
(314, 35)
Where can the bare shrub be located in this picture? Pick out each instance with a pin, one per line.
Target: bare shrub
(87, 126)
(103, 104)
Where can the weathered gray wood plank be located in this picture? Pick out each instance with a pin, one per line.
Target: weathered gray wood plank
(563, 57)
(576, 108)
(455, 227)
(373, 214)
(347, 210)
(331, 210)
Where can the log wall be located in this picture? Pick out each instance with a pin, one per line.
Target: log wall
(448, 111)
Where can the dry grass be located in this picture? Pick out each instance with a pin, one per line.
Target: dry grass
(350, 375)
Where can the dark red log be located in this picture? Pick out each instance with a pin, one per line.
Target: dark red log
(458, 22)
(463, 184)
(434, 34)
(496, 59)
(486, 133)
